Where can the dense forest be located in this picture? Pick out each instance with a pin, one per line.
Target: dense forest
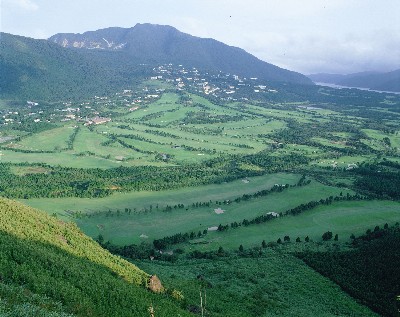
(369, 271)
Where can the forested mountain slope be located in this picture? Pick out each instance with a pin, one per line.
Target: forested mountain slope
(149, 43)
(40, 70)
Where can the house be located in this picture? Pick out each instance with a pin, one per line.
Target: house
(97, 120)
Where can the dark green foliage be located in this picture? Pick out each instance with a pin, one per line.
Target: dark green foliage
(378, 180)
(370, 272)
(255, 284)
(79, 182)
(18, 301)
(42, 70)
(327, 236)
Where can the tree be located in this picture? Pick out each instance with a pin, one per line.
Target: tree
(100, 239)
(386, 140)
(286, 238)
(298, 239)
(386, 226)
(241, 249)
(279, 240)
(336, 237)
(263, 244)
(307, 239)
(327, 236)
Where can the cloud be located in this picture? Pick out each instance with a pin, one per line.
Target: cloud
(26, 5)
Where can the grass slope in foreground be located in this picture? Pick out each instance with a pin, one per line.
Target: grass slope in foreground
(271, 284)
(56, 264)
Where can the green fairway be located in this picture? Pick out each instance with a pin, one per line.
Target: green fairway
(50, 140)
(144, 199)
(89, 141)
(146, 218)
(342, 218)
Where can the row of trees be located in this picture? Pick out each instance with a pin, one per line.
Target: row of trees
(80, 182)
(165, 242)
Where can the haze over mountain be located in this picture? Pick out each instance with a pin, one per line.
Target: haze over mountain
(389, 81)
(148, 43)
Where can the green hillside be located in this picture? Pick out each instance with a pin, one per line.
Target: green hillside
(40, 70)
(49, 267)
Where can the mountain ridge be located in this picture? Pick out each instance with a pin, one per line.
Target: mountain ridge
(42, 70)
(165, 44)
(383, 81)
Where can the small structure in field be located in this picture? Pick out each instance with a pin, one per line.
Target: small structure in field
(97, 120)
(219, 211)
(155, 284)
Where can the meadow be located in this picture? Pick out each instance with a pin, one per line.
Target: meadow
(126, 218)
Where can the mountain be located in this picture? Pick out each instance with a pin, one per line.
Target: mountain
(50, 268)
(148, 43)
(114, 58)
(41, 70)
(389, 81)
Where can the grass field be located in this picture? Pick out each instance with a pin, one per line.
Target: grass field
(122, 227)
(90, 141)
(342, 218)
(50, 140)
(144, 199)
(166, 126)
(62, 158)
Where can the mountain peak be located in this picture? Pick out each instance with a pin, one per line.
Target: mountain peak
(156, 44)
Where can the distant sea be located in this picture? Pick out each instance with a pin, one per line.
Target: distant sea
(360, 88)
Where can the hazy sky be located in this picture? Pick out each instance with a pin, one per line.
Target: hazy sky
(309, 36)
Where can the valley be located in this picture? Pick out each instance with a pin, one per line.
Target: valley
(190, 173)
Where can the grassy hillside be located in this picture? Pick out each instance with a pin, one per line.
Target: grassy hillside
(53, 261)
(268, 284)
